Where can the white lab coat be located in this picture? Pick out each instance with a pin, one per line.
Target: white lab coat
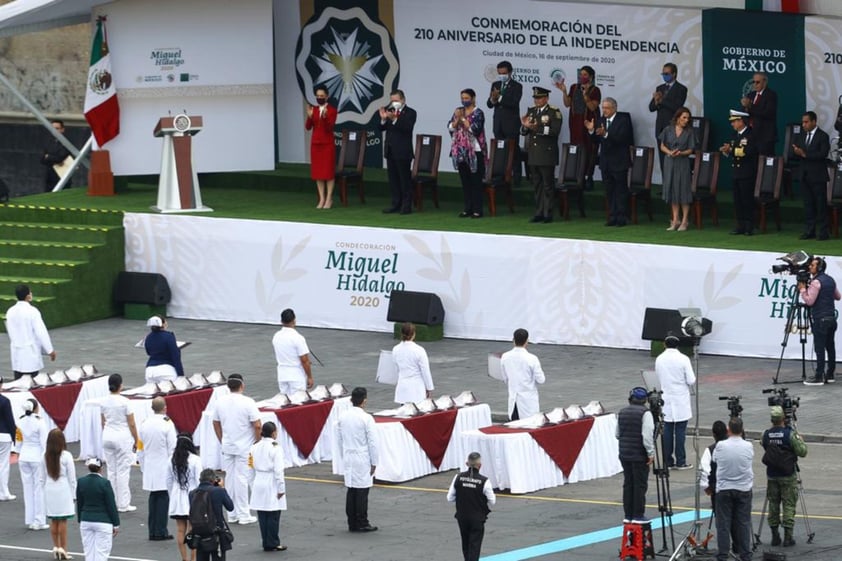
(266, 472)
(28, 337)
(522, 373)
(179, 496)
(676, 377)
(414, 377)
(358, 445)
(157, 435)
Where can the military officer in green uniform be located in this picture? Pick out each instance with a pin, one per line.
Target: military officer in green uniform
(542, 125)
(783, 447)
(743, 150)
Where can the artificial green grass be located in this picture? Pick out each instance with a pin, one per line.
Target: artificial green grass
(288, 194)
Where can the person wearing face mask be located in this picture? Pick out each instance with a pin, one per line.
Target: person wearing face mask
(583, 100)
(469, 152)
(398, 120)
(667, 98)
(321, 119)
(504, 99)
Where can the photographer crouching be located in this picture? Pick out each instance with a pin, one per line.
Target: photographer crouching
(819, 295)
(783, 446)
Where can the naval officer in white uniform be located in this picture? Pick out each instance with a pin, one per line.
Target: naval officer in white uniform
(292, 356)
(157, 439)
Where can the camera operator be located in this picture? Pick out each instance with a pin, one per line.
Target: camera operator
(783, 447)
(208, 545)
(636, 433)
(734, 480)
(676, 377)
(819, 295)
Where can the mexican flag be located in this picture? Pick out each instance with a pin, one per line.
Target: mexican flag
(787, 6)
(101, 108)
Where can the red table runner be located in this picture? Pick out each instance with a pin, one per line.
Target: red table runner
(304, 423)
(562, 442)
(58, 401)
(185, 409)
(431, 431)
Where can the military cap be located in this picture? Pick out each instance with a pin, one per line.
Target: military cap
(538, 91)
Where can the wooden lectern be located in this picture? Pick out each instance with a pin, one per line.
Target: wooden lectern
(178, 186)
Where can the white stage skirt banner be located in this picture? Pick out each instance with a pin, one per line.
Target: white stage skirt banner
(572, 292)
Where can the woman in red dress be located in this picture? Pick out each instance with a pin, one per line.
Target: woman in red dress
(320, 119)
(583, 99)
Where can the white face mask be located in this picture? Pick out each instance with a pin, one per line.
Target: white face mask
(397, 105)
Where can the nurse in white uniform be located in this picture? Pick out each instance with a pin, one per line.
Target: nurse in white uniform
(268, 493)
(415, 382)
(32, 439)
(119, 442)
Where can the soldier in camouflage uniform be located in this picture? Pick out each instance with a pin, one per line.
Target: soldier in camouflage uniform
(542, 125)
(783, 447)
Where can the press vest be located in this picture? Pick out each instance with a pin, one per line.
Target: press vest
(471, 502)
(630, 423)
(823, 306)
(779, 436)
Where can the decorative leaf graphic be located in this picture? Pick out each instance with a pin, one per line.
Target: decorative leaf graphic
(259, 291)
(278, 259)
(708, 286)
(432, 274)
(731, 276)
(446, 258)
(419, 246)
(299, 247)
(724, 303)
(291, 274)
(465, 292)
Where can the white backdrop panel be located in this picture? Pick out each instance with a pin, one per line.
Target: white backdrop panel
(564, 291)
(823, 62)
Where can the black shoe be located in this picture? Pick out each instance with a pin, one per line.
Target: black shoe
(406, 211)
(789, 542)
(807, 236)
(464, 214)
(611, 223)
(749, 232)
(737, 232)
(548, 219)
(368, 528)
(776, 536)
(814, 381)
(621, 222)
(390, 210)
(476, 215)
(823, 237)
(535, 219)
(829, 379)
(161, 538)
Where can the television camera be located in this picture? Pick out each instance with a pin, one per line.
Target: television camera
(734, 405)
(789, 404)
(796, 263)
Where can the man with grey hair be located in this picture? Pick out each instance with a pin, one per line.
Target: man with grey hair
(614, 135)
(157, 436)
(472, 494)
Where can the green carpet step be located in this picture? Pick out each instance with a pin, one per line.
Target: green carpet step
(43, 213)
(35, 249)
(38, 286)
(54, 269)
(50, 231)
(50, 308)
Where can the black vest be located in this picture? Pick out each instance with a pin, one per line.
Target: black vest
(630, 425)
(823, 307)
(779, 437)
(712, 475)
(471, 502)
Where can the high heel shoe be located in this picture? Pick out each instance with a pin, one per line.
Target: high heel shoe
(673, 226)
(55, 553)
(63, 554)
(682, 227)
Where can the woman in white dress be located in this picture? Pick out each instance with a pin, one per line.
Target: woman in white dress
(183, 477)
(59, 481)
(415, 382)
(119, 442)
(268, 488)
(32, 441)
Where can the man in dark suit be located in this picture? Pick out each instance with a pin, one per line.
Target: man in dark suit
(504, 99)
(615, 136)
(398, 120)
(54, 153)
(542, 125)
(762, 108)
(666, 100)
(812, 147)
(743, 149)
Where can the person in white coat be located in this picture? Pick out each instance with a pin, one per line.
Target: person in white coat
(182, 477)
(522, 373)
(28, 336)
(415, 382)
(119, 441)
(676, 377)
(32, 442)
(358, 445)
(236, 422)
(268, 493)
(157, 443)
(292, 355)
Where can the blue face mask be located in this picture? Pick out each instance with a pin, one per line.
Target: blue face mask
(667, 78)
(467, 104)
(503, 77)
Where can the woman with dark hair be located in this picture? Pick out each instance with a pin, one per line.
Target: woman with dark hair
(59, 481)
(469, 151)
(268, 493)
(98, 518)
(583, 99)
(415, 382)
(32, 442)
(164, 355)
(119, 441)
(677, 142)
(321, 119)
(182, 477)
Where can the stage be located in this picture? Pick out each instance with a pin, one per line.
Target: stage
(569, 282)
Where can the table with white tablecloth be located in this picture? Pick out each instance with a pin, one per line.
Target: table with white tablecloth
(514, 459)
(287, 419)
(403, 458)
(91, 420)
(64, 400)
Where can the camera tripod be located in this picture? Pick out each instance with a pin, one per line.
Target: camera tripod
(798, 314)
(662, 482)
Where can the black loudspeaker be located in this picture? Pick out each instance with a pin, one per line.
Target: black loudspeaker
(418, 307)
(659, 322)
(142, 288)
